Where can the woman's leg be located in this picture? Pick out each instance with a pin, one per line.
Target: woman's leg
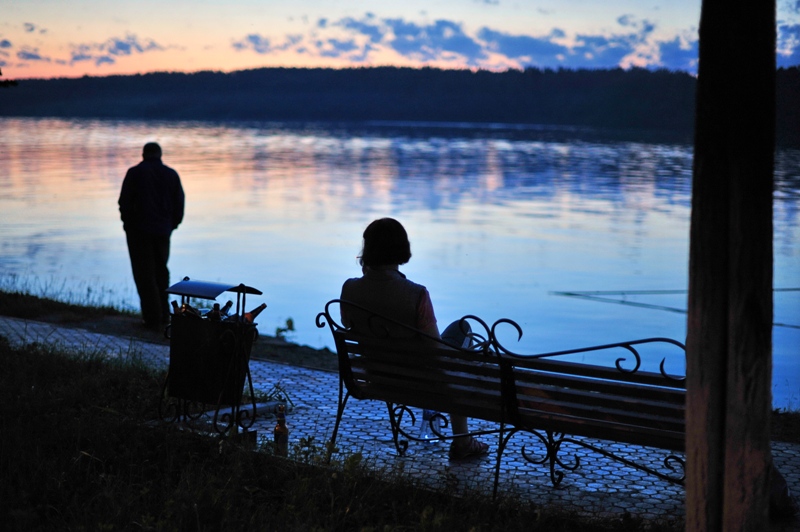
(457, 335)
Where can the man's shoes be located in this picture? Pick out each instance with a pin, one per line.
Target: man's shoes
(473, 449)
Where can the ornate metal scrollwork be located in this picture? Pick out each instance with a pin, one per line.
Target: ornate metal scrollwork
(552, 442)
(669, 463)
(667, 375)
(396, 413)
(437, 422)
(479, 341)
(496, 342)
(176, 410)
(553, 445)
(619, 363)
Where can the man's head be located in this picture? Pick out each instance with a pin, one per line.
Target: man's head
(151, 151)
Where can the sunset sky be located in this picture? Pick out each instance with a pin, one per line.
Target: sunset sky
(59, 38)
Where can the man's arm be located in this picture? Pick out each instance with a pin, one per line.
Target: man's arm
(178, 203)
(126, 199)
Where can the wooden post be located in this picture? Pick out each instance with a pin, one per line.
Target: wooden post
(729, 339)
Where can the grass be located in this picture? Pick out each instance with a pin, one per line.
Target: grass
(78, 451)
(20, 301)
(29, 296)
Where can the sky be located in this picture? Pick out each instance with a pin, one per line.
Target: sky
(73, 38)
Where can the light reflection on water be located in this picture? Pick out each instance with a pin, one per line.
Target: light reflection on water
(500, 220)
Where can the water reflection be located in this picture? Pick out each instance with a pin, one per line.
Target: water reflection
(500, 219)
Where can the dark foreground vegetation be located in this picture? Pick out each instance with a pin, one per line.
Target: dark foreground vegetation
(80, 450)
(610, 99)
(77, 452)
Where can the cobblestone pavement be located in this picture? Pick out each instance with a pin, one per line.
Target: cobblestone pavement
(600, 486)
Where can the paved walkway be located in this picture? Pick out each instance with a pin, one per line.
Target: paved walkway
(598, 487)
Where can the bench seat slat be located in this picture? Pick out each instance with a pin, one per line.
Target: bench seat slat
(630, 387)
(642, 404)
(486, 408)
(593, 411)
(590, 370)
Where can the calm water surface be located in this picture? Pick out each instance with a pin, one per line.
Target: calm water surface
(502, 221)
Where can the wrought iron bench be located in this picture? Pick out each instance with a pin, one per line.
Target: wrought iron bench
(555, 401)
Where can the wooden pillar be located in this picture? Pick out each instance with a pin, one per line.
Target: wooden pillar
(729, 340)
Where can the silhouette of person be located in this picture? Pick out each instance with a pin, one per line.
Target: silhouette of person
(151, 206)
(384, 290)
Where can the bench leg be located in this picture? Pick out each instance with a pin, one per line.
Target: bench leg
(343, 397)
(501, 446)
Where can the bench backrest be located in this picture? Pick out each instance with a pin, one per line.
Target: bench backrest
(636, 407)
(420, 373)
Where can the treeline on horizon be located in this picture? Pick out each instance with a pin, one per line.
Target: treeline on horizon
(637, 98)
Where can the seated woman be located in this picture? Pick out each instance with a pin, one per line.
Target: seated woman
(384, 290)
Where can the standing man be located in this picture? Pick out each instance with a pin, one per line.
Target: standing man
(151, 206)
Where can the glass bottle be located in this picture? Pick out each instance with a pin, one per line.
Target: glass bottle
(215, 314)
(249, 317)
(226, 308)
(281, 433)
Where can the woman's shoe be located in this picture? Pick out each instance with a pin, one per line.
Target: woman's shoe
(473, 449)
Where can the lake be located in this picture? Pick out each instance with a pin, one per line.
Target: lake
(503, 222)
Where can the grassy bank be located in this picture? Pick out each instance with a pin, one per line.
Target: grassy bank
(105, 318)
(78, 451)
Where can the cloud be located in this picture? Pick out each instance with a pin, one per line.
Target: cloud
(357, 39)
(107, 52)
(582, 51)
(30, 28)
(598, 51)
(5, 43)
(633, 42)
(441, 40)
(364, 27)
(254, 42)
(533, 51)
(336, 48)
(129, 45)
(263, 45)
(788, 45)
(31, 54)
(679, 55)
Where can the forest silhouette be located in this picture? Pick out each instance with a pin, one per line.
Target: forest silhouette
(638, 99)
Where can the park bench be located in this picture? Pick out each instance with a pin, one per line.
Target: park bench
(554, 400)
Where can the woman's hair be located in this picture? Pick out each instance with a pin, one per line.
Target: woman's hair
(385, 243)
